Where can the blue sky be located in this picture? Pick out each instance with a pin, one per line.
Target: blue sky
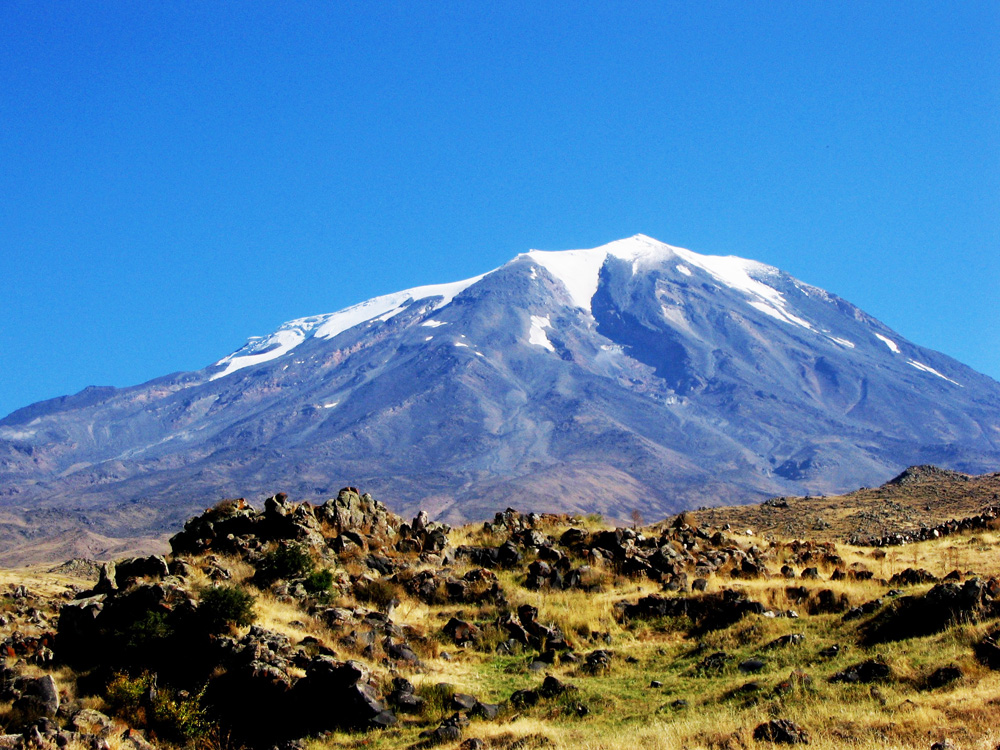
(176, 177)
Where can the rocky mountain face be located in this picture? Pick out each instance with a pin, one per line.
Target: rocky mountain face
(634, 376)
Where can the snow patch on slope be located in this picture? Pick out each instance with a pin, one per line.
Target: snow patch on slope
(927, 368)
(388, 305)
(842, 342)
(259, 350)
(888, 342)
(536, 335)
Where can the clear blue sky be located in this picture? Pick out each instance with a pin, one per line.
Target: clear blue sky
(177, 176)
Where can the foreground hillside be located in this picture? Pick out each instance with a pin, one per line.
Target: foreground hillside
(341, 626)
(905, 508)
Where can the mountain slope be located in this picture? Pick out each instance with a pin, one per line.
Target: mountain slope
(631, 376)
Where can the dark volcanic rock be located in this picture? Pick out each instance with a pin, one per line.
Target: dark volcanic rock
(943, 676)
(946, 603)
(781, 731)
(707, 611)
(864, 672)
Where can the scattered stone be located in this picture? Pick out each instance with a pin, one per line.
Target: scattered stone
(781, 731)
(751, 666)
(463, 702)
(450, 730)
(944, 676)
(521, 699)
(785, 640)
(865, 672)
(597, 661)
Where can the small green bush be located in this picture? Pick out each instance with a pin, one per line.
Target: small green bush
(224, 606)
(284, 562)
(149, 631)
(178, 717)
(318, 582)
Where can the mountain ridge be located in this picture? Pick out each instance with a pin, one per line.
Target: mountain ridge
(633, 376)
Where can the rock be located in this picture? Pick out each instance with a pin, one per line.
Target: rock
(450, 730)
(128, 571)
(988, 650)
(401, 652)
(463, 702)
(383, 720)
(460, 631)
(864, 673)
(714, 662)
(781, 731)
(351, 510)
(944, 744)
(552, 687)
(944, 676)
(912, 577)
(751, 666)
(597, 661)
(856, 613)
(488, 711)
(706, 611)
(39, 697)
(521, 699)
(785, 640)
(106, 581)
(89, 721)
(420, 521)
(133, 739)
(943, 605)
(473, 743)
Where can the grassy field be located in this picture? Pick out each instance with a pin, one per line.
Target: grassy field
(624, 712)
(691, 706)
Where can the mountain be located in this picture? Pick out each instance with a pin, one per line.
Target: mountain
(633, 376)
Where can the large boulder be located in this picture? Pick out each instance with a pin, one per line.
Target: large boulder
(351, 510)
(943, 605)
(39, 697)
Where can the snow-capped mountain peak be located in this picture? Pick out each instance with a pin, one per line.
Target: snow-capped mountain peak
(636, 375)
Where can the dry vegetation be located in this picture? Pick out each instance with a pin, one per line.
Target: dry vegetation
(895, 506)
(687, 706)
(626, 713)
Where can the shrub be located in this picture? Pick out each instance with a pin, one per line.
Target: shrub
(284, 562)
(318, 582)
(380, 593)
(223, 509)
(224, 606)
(149, 631)
(177, 716)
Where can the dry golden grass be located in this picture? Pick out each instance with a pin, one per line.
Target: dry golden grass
(625, 713)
